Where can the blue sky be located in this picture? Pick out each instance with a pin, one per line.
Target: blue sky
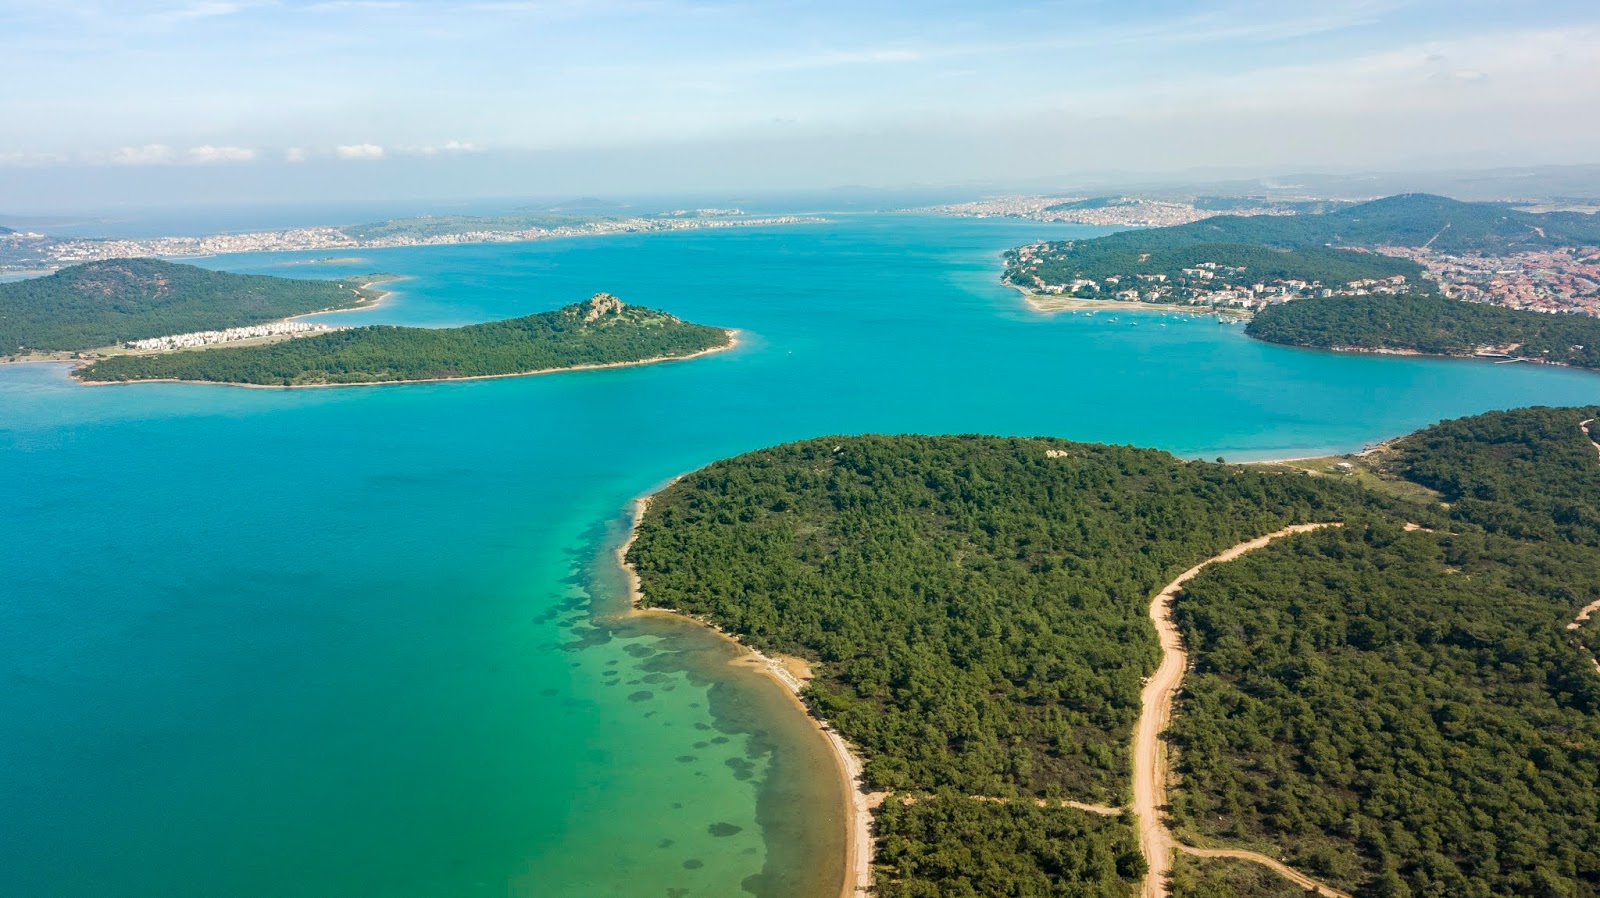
(698, 93)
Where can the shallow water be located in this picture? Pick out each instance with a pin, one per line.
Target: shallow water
(345, 641)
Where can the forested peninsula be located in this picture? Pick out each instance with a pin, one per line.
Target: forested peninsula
(101, 304)
(1394, 706)
(601, 332)
(1431, 325)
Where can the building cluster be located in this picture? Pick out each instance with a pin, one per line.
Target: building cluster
(232, 334)
(1554, 280)
(1131, 212)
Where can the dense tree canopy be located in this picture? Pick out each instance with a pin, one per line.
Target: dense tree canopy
(99, 304)
(949, 846)
(1429, 324)
(565, 338)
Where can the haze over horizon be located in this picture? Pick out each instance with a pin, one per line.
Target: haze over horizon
(250, 100)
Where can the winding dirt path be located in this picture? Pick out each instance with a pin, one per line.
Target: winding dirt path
(1150, 762)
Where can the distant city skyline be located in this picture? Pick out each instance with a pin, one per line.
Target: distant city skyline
(247, 99)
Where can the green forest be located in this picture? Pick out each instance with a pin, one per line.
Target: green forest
(1401, 712)
(100, 304)
(597, 332)
(1428, 324)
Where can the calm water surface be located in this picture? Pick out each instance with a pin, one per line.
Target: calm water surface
(354, 641)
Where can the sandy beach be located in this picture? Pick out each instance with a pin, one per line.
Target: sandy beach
(1049, 303)
(792, 674)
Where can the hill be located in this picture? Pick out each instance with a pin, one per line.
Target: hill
(1397, 711)
(1431, 325)
(601, 331)
(1319, 250)
(99, 304)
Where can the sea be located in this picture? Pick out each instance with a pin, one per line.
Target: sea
(367, 641)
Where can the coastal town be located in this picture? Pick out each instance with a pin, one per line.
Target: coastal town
(34, 252)
(1566, 279)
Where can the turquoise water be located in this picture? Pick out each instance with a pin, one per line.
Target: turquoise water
(352, 641)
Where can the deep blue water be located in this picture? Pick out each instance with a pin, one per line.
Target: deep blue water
(336, 642)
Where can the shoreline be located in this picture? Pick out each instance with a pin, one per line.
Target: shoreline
(733, 343)
(791, 674)
(1049, 304)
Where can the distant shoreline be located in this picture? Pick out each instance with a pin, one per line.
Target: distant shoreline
(733, 342)
(791, 674)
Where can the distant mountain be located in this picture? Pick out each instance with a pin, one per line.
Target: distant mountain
(104, 303)
(6, 230)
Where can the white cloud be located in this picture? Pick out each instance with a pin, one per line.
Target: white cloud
(359, 151)
(452, 146)
(294, 154)
(208, 154)
(148, 154)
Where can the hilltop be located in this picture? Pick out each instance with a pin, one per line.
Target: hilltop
(100, 304)
(601, 332)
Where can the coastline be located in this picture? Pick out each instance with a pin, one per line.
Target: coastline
(791, 674)
(733, 343)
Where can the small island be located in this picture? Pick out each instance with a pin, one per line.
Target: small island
(598, 333)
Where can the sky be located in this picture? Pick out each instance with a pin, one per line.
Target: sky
(302, 99)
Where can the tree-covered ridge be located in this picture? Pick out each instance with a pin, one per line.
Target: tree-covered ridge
(600, 331)
(1429, 324)
(100, 304)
